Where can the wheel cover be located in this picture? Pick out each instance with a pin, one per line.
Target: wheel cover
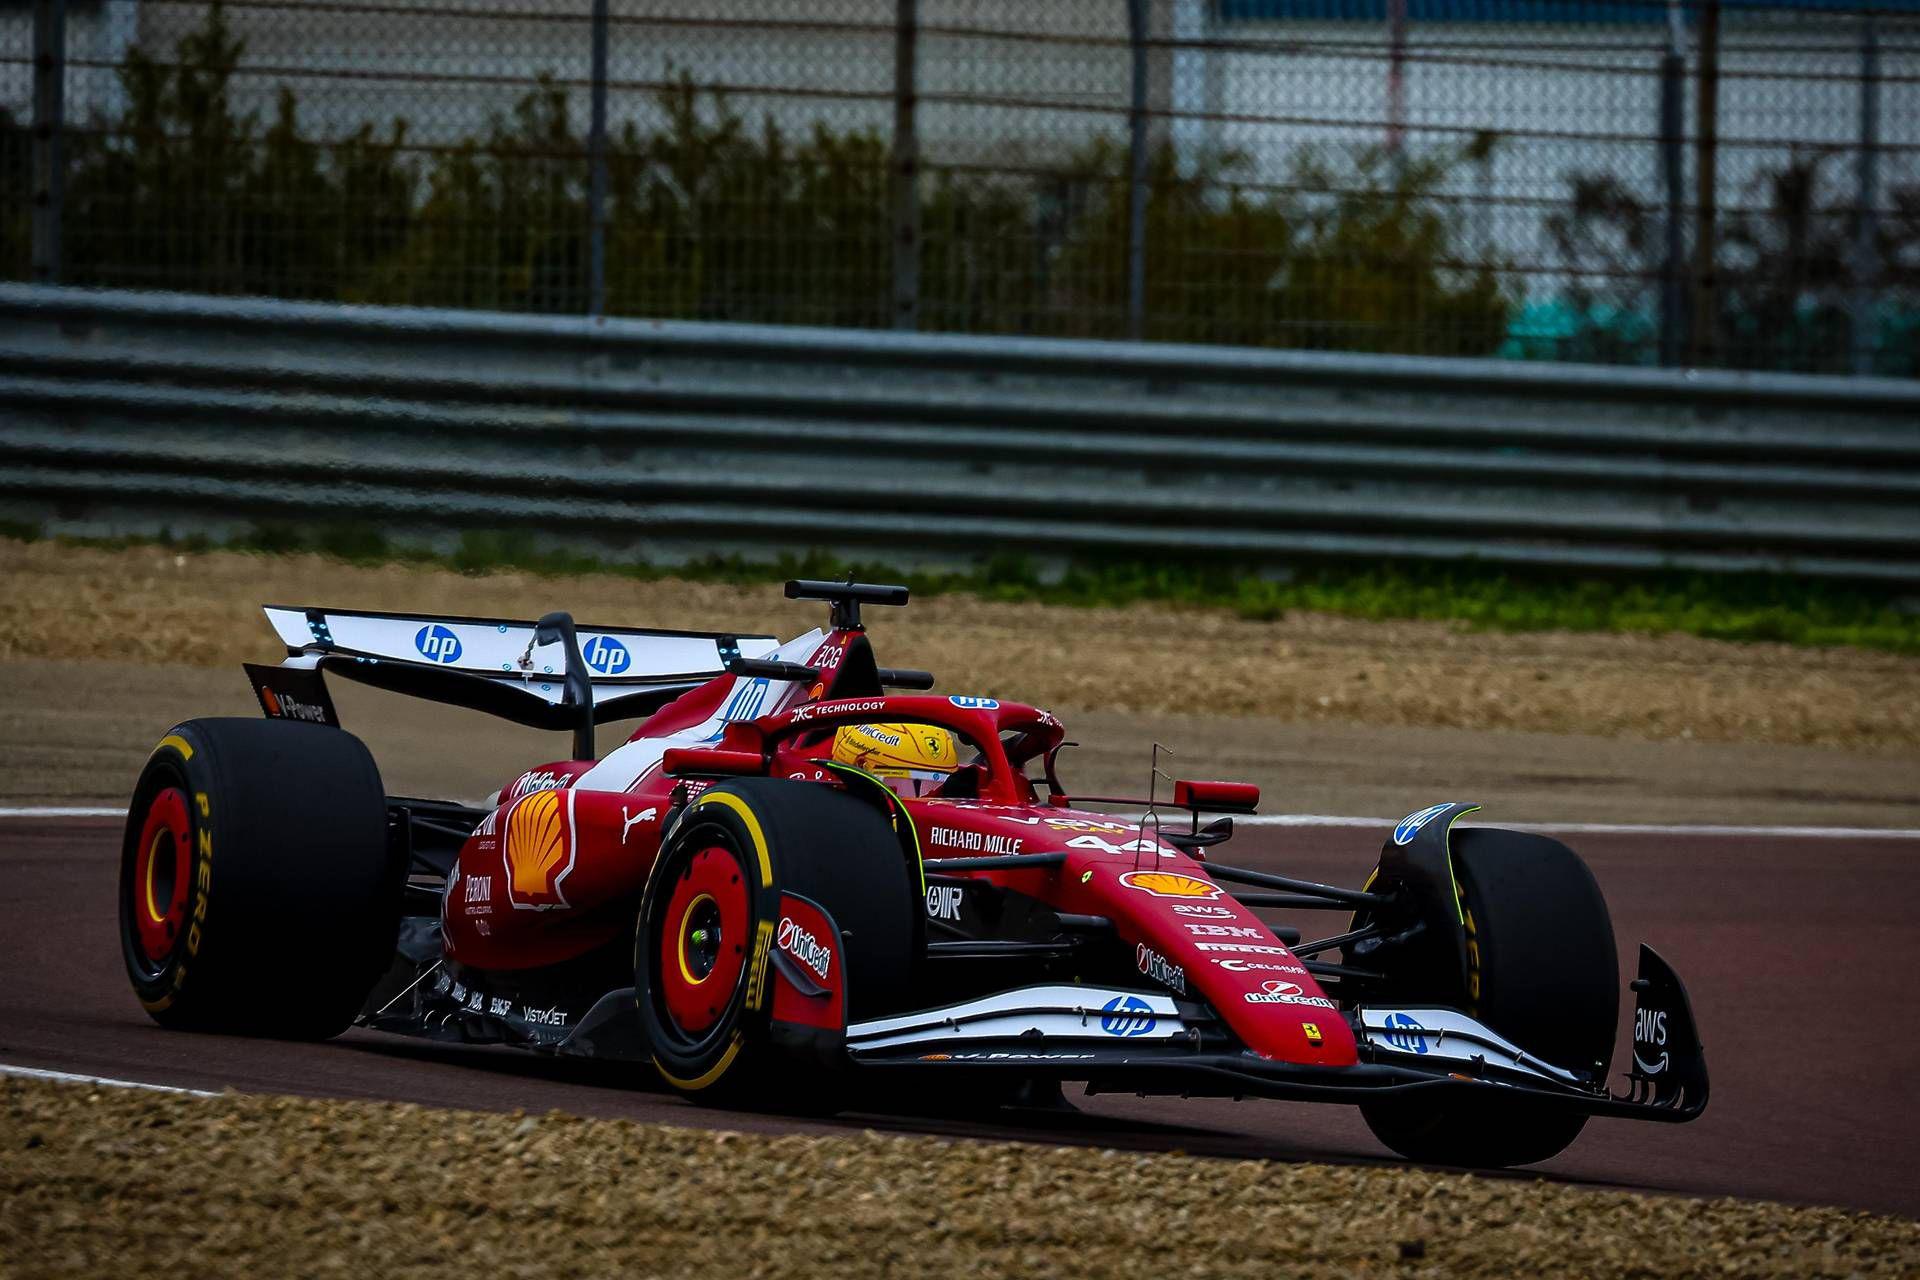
(161, 875)
(703, 940)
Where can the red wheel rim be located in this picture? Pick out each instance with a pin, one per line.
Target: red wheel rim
(161, 874)
(703, 940)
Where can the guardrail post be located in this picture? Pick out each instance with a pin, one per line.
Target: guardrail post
(1137, 181)
(1865, 266)
(906, 168)
(49, 135)
(597, 160)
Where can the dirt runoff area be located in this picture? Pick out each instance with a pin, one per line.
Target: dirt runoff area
(151, 605)
(92, 1178)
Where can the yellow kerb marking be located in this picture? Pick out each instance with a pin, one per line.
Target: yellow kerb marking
(739, 806)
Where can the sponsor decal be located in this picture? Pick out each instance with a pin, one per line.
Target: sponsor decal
(1243, 948)
(1202, 909)
(804, 947)
(1160, 969)
(943, 901)
(1410, 825)
(1650, 1035)
(1405, 1034)
(627, 824)
(539, 854)
(1005, 1057)
(606, 655)
(827, 655)
(475, 1001)
(1259, 966)
(541, 780)
(499, 1006)
(1127, 1016)
(966, 703)
(1221, 930)
(479, 889)
(288, 707)
(744, 703)
(555, 1017)
(480, 927)
(1170, 884)
(437, 644)
(486, 824)
(815, 709)
(757, 967)
(1312, 1032)
(960, 838)
(1083, 824)
(1275, 991)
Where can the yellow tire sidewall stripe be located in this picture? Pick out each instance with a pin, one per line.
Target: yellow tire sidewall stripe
(752, 823)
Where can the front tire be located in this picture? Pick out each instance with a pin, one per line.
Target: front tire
(702, 973)
(1541, 971)
(257, 891)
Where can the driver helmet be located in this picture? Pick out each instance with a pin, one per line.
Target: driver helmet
(920, 752)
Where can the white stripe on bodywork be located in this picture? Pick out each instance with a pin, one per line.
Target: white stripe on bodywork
(1451, 1036)
(1054, 1012)
(626, 765)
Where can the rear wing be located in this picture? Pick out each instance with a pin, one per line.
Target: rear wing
(500, 666)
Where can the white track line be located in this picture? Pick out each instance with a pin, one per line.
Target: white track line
(1348, 820)
(67, 1077)
(56, 811)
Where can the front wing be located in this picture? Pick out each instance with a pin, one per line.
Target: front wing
(1149, 1043)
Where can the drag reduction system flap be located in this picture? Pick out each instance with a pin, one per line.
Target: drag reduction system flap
(513, 669)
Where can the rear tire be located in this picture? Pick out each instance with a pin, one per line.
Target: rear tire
(709, 899)
(1542, 971)
(257, 891)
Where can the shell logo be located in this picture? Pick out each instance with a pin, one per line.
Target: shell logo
(1168, 884)
(538, 853)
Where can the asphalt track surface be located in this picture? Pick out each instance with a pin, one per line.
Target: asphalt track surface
(1800, 954)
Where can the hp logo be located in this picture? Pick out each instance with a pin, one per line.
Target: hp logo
(606, 655)
(1406, 1035)
(1127, 1016)
(436, 643)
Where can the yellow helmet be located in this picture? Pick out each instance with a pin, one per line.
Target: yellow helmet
(923, 751)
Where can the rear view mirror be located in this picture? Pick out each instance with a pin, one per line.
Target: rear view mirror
(708, 762)
(1217, 797)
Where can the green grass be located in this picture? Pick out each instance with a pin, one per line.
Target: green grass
(1746, 607)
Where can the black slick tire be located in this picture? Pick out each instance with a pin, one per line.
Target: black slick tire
(1542, 971)
(257, 891)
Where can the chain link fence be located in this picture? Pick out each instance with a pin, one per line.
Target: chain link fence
(1706, 183)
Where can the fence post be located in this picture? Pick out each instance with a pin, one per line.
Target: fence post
(1673, 292)
(1396, 73)
(1137, 181)
(1706, 306)
(49, 135)
(1865, 266)
(597, 179)
(906, 167)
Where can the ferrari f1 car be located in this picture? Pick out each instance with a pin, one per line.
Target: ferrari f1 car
(803, 875)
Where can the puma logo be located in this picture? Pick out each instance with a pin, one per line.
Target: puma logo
(626, 823)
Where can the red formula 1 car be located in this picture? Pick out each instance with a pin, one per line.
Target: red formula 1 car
(791, 880)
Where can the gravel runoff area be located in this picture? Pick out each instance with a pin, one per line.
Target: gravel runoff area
(149, 604)
(96, 1180)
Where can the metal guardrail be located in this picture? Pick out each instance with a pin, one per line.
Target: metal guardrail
(128, 412)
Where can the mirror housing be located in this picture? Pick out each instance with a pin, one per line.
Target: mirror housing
(1216, 797)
